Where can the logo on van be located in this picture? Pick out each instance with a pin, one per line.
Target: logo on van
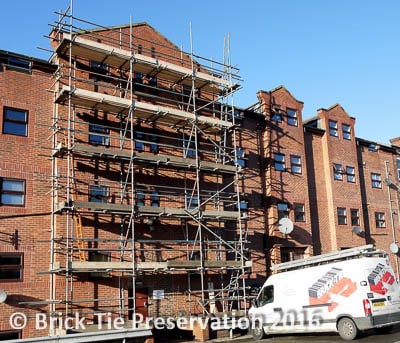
(329, 289)
(379, 278)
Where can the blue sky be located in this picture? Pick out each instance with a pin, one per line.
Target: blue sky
(323, 51)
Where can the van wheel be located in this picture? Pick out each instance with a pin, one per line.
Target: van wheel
(347, 329)
(257, 332)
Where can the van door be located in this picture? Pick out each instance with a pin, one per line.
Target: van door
(267, 313)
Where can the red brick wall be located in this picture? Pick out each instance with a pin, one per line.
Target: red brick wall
(27, 158)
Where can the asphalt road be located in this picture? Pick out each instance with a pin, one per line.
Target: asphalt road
(368, 337)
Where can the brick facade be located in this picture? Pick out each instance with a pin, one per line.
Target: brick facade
(290, 170)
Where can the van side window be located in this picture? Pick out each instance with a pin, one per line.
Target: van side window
(266, 296)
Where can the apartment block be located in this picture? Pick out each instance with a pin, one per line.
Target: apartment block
(130, 184)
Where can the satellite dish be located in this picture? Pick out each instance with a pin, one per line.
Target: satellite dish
(3, 296)
(394, 248)
(285, 225)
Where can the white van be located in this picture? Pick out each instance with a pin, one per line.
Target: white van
(346, 291)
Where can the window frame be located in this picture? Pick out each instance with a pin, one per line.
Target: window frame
(351, 174)
(299, 215)
(333, 129)
(155, 199)
(376, 180)
(341, 217)
(281, 163)
(191, 201)
(139, 141)
(16, 267)
(15, 334)
(398, 168)
(276, 115)
(337, 172)
(102, 196)
(291, 115)
(189, 147)
(355, 216)
(14, 121)
(346, 131)
(380, 218)
(99, 256)
(296, 165)
(22, 193)
(99, 131)
(283, 210)
(240, 157)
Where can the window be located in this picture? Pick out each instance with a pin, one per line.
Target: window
(12, 192)
(153, 52)
(240, 158)
(276, 115)
(376, 180)
(140, 198)
(95, 256)
(355, 217)
(266, 296)
(351, 174)
(155, 199)
(99, 193)
(346, 131)
(279, 162)
(153, 143)
(15, 122)
(243, 206)
(99, 135)
(140, 49)
(192, 201)
(9, 334)
(299, 213)
(20, 64)
(342, 216)
(291, 117)
(237, 115)
(333, 128)
(11, 266)
(189, 146)
(139, 143)
(98, 67)
(337, 172)
(283, 210)
(295, 164)
(153, 81)
(380, 220)
(373, 147)
(291, 254)
(398, 169)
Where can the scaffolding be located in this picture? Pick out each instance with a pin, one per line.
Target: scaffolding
(146, 169)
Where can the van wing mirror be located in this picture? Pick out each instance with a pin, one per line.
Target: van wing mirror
(254, 302)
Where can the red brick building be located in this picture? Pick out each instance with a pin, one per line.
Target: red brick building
(131, 185)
